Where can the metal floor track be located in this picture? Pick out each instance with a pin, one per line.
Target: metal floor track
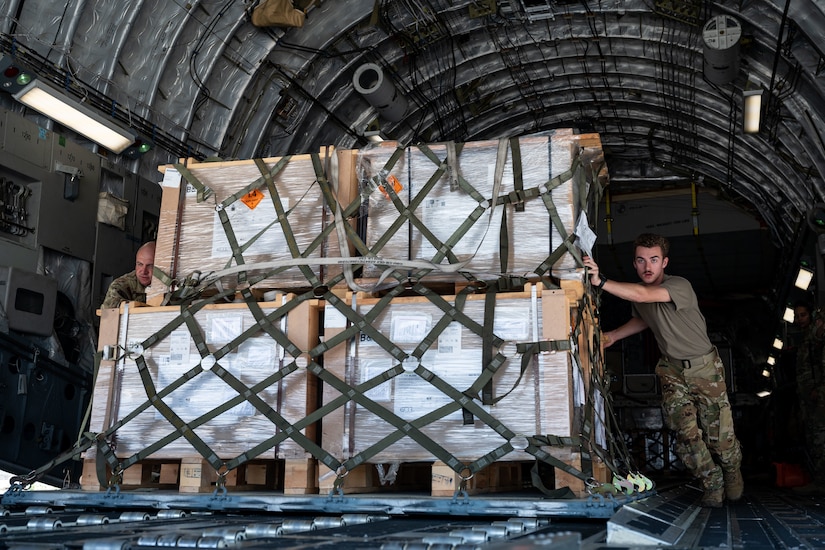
(765, 518)
(671, 517)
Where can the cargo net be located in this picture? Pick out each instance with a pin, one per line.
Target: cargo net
(438, 213)
(482, 375)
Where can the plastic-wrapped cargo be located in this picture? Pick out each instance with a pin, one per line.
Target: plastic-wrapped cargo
(239, 350)
(540, 400)
(487, 208)
(219, 216)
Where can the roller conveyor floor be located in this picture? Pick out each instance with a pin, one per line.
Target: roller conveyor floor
(766, 517)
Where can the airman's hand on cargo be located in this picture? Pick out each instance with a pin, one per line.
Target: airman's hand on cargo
(607, 339)
(593, 270)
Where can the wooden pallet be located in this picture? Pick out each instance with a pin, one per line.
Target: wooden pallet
(195, 475)
(436, 478)
(440, 480)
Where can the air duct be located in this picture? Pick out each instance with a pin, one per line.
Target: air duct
(720, 40)
(380, 92)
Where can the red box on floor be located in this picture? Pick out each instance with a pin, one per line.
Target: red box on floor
(790, 475)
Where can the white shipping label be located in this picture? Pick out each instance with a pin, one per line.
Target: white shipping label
(449, 341)
(246, 224)
(409, 327)
(224, 328)
(260, 354)
(369, 370)
(179, 342)
(587, 238)
(171, 178)
(415, 397)
(512, 322)
(334, 318)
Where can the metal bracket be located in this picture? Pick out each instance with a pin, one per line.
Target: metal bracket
(66, 169)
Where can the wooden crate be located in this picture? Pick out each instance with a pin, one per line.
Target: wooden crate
(435, 478)
(192, 239)
(248, 352)
(544, 402)
(438, 217)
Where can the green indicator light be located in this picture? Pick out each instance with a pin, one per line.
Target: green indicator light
(24, 78)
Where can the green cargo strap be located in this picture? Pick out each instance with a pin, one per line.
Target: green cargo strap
(378, 181)
(105, 456)
(535, 449)
(598, 387)
(244, 394)
(560, 493)
(286, 227)
(567, 240)
(202, 191)
(518, 177)
(162, 276)
(155, 398)
(462, 183)
(503, 244)
(406, 213)
(344, 231)
(403, 427)
(237, 249)
(487, 344)
(486, 355)
(453, 312)
(566, 246)
(452, 164)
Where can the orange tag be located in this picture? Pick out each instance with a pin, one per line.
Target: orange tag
(252, 199)
(396, 186)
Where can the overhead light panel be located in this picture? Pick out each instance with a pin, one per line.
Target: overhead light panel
(771, 360)
(777, 343)
(789, 315)
(803, 277)
(753, 110)
(71, 114)
(766, 373)
(763, 393)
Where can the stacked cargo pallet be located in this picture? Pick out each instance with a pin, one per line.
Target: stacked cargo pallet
(424, 305)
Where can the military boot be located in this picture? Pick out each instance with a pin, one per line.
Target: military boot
(713, 485)
(713, 498)
(734, 484)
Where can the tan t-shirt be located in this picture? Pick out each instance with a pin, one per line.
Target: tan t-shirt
(680, 328)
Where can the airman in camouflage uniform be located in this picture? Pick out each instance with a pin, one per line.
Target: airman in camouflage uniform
(694, 395)
(131, 287)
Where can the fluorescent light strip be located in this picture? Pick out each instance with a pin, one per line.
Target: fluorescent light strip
(69, 113)
(753, 110)
(803, 278)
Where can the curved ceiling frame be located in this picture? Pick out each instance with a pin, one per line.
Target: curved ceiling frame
(201, 72)
(576, 59)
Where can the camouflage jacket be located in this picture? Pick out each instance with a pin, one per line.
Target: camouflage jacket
(809, 359)
(125, 288)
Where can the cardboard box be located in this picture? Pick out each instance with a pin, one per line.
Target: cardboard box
(434, 205)
(542, 401)
(231, 335)
(197, 227)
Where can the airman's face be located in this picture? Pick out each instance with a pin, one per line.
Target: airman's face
(144, 265)
(802, 317)
(650, 265)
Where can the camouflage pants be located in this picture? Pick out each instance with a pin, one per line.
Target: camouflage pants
(696, 407)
